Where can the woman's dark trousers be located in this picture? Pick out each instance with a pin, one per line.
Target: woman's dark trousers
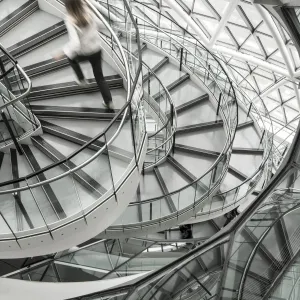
(96, 62)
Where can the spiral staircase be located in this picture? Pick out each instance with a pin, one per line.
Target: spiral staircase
(184, 145)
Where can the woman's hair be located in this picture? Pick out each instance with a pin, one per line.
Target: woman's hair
(77, 10)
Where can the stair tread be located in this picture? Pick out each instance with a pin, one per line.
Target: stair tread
(81, 176)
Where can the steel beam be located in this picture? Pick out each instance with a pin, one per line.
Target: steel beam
(165, 190)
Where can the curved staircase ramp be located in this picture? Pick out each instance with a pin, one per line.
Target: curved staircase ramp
(251, 144)
(248, 240)
(183, 270)
(107, 259)
(85, 160)
(51, 103)
(258, 249)
(179, 170)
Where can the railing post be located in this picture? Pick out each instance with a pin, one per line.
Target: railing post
(136, 38)
(172, 114)
(150, 211)
(219, 103)
(262, 136)
(5, 79)
(11, 133)
(208, 72)
(249, 109)
(181, 58)
(174, 139)
(133, 135)
(172, 123)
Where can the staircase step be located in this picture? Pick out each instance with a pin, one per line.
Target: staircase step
(45, 66)
(199, 126)
(238, 174)
(164, 189)
(173, 85)
(20, 209)
(80, 176)
(59, 211)
(155, 69)
(82, 139)
(17, 16)
(245, 124)
(250, 151)
(188, 105)
(143, 48)
(198, 151)
(71, 88)
(73, 112)
(37, 39)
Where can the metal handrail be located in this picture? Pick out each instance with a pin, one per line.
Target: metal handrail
(284, 141)
(27, 91)
(123, 111)
(223, 236)
(267, 152)
(252, 176)
(169, 119)
(259, 242)
(228, 142)
(11, 101)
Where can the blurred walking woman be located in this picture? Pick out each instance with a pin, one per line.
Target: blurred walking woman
(85, 44)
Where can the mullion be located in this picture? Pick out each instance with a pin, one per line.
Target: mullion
(232, 37)
(212, 9)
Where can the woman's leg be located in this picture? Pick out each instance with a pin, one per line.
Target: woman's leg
(96, 62)
(77, 69)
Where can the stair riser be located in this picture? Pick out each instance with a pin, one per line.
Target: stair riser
(18, 16)
(81, 177)
(71, 88)
(182, 108)
(199, 127)
(37, 39)
(155, 69)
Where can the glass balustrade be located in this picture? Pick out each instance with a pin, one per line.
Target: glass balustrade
(190, 53)
(84, 174)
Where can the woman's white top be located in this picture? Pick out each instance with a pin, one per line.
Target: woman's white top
(86, 40)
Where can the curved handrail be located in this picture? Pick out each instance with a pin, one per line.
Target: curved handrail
(123, 111)
(16, 100)
(252, 180)
(261, 240)
(120, 117)
(147, 246)
(209, 71)
(226, 235)
(170, 122)
(277, 153)
(229, 140)
(29, 83)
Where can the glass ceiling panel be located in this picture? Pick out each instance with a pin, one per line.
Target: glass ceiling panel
(252, 14)
(202, 9)
(252, 46)
(219, 6)
(246, 32)
(210, 24)
(290, 114)
(236, 19)
(224, 37)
